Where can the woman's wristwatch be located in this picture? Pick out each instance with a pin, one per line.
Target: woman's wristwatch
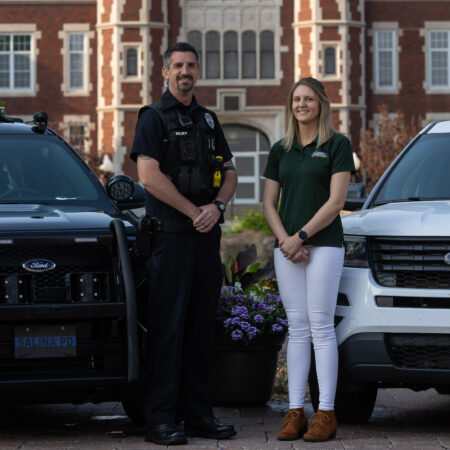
(303, 235)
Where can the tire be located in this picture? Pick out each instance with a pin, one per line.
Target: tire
(135, 409)
(445, 390)
(351, 406)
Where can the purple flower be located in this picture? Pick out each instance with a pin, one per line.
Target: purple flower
(258, 318)
(238, 310)
(236, 335)
(244, 325)
(252, 331)
(282, 321)
(270, 308)
(277, 328)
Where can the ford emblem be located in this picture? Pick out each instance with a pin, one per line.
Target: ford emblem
(38, 265)
(447, 259)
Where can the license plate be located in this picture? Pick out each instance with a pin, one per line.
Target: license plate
(45, 341)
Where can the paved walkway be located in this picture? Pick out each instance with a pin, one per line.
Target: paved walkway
(402, 420)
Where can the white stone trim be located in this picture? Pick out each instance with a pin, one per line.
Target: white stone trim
(424, 32)
(131, 78)
(78, 119)
(434, 116)
(256, 16)
(80, 28)
(24, 28)
(376, 117)
(337, 45)
(397, 32)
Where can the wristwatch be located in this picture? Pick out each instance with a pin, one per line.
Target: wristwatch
(220, 205)
(303, 235)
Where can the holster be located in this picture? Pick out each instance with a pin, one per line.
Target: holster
(144, 236)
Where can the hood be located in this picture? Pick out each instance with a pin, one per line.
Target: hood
(422, 218)
(46, 218)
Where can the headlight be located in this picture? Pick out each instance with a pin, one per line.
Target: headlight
(355, 251)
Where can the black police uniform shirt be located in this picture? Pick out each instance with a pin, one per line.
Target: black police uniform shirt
(148, 139)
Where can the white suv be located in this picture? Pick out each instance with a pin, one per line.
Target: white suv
(393, 313)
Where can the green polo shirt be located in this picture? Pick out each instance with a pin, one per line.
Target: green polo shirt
(305, 175)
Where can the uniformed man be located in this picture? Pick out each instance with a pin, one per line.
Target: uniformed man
(184, 162)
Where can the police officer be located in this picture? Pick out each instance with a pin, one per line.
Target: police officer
(181, 153)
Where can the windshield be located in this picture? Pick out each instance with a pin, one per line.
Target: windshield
(42, 169)
(423, 173)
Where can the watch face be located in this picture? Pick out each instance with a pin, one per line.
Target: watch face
(302, 235)
(220, 205)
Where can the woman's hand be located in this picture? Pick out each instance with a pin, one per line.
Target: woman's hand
(301, 255)
(290, 246)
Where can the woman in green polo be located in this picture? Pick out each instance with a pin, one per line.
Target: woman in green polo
(310, 168)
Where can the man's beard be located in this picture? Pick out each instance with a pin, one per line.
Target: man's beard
(185, 88)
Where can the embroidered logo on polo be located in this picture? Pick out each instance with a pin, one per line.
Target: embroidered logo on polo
(319, 155)
(209, 120)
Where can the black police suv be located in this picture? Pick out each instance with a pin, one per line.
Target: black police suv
(70, 275)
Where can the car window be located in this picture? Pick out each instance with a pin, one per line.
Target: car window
(422, 173)
(41, 169)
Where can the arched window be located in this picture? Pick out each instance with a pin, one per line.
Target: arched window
(195, 39)
(330, 61)
(248, 54)
(132, 62)
(212, 54)
(230, 44)
(267, 59)
(250, 148)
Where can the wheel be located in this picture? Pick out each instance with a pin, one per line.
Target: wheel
(445, 390)
(134, 407)
(351, 406)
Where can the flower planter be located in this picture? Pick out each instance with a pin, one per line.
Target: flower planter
(243, 375)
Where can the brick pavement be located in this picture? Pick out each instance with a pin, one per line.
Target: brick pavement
(402, 420)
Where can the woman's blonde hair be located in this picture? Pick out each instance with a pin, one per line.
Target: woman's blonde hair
(325, 128)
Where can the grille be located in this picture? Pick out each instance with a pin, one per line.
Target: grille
(52, 286)
(418, 351)
(410, 263)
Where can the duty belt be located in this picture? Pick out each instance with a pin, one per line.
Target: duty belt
(172, 225)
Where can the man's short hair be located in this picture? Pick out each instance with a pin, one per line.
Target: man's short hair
(179, 47)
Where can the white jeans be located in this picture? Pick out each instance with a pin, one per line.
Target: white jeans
(309, 291)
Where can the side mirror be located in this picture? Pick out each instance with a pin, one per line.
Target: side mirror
(125, 192)
(356, 197)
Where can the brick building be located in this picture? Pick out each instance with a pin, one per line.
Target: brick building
(92, 64)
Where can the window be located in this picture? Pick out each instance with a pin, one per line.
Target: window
(77, 61)
(439, 59)
(131, 62)
(234, 56)
(249, 54)
(231, 55)
(267, 59)
(250, 148)
(330, 60)
(195, 39)
(212, 54)
(16, 68)
(77, 137)
(385, 62)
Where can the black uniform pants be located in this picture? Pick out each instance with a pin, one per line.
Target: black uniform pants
(185, 277)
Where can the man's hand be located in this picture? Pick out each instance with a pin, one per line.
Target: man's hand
(207, 218)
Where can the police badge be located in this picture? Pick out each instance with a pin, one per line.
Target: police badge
(209, 120)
